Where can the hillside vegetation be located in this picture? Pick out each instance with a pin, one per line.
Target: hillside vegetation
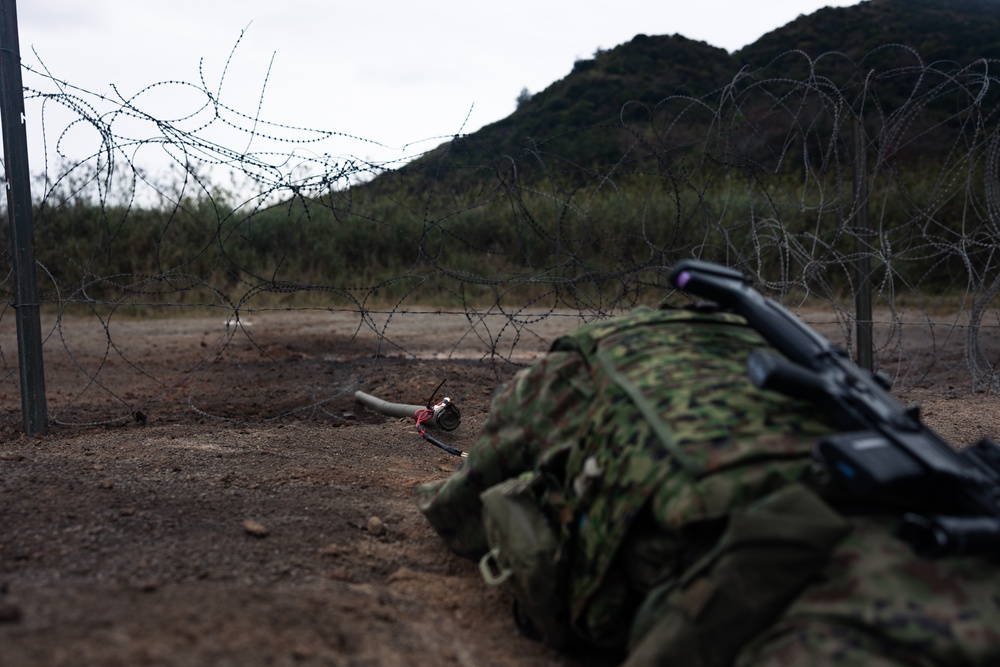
(657, 148)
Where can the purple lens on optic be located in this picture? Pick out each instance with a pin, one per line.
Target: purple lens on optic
(683, 278)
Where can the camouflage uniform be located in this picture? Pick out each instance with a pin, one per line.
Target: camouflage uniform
(658, 438)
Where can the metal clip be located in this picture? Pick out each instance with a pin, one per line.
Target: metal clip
(503, 573)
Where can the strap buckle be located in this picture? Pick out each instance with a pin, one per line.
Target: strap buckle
(493, 571)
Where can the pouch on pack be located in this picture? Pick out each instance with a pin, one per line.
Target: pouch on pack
(524, 554)
(768, 553)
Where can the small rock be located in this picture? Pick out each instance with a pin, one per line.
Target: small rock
(303, 652)
(386, 615)
(9, 613)
(255, 528)
(375, 526)
(331, 550)
(403, 574)
(149, 585)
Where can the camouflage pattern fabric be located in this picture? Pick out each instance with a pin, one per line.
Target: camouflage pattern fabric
(660, 436)
(536, 415)
(879, 604)
(739, 444)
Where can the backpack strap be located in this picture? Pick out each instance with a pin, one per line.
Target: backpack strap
(660, 428)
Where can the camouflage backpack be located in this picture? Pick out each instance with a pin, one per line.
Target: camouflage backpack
(693, 537)
(647, 412)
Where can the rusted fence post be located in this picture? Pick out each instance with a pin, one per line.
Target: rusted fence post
(22, 235)
(863, 294)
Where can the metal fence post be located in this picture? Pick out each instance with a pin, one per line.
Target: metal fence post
(15, 150)
(863, 295)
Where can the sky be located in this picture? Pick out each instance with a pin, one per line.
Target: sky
(397, 77)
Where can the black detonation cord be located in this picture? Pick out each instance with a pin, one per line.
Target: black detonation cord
(426, 414)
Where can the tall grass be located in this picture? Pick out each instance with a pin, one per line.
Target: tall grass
(598, 242)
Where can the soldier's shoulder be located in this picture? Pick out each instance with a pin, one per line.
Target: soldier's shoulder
(588, 335)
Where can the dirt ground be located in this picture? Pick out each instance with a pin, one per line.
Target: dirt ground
(215, 495)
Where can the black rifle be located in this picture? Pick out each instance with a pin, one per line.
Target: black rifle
(886, 457)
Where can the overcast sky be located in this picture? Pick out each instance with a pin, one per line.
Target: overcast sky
(399, 73)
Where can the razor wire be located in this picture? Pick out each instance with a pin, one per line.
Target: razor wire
(792, 173)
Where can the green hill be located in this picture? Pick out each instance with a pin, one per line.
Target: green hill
(601, 111)
(960, 31)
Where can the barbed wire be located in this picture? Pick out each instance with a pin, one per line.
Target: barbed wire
(798, 173)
